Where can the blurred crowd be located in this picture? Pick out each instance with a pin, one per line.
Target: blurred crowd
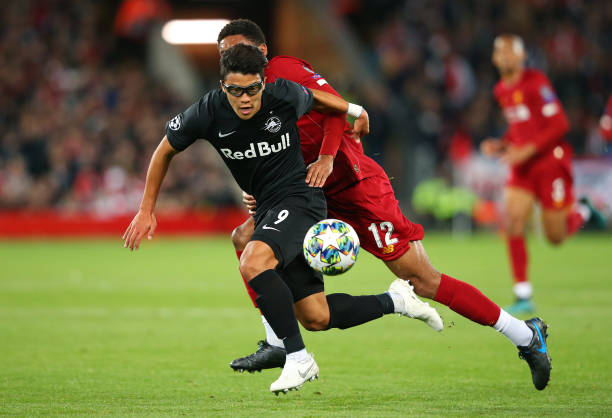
(80, 118)
(435, 59)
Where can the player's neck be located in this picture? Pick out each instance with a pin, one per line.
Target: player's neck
(512, 77)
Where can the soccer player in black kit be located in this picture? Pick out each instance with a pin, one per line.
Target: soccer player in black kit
(253, 127)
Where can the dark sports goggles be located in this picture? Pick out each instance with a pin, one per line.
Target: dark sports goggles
(238, 91)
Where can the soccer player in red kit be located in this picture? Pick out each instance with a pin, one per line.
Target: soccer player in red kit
(358, 191)
(539, 160)
(605, 123)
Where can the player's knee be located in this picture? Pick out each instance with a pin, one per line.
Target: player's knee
(240, 238)
(249, 268)
(317, 322)
(425, 287)
(515, 225)
(255, 261)
(555, 239)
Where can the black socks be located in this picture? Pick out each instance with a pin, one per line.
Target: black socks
(346, 311)
(276, 303)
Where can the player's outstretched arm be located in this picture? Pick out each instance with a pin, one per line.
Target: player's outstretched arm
(144, 222)
(329, 103)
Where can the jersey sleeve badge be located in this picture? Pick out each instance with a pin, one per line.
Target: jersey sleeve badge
(175, 123)
(547, 94)
(550, 107)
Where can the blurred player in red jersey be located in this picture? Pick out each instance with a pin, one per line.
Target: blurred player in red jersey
(539, 160)
(605, 123)
(358, 191)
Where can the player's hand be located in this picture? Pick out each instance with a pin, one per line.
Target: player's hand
(144, 223)
(319, 171)
(353, 135)
(361, 127)
(250, 202)
(492, 147)
(514, 155)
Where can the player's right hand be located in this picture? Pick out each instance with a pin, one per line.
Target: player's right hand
(250, 202)
(492, 147)
(144, 223)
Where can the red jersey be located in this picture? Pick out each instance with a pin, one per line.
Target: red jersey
(605, 123)
(324, 133)
(533, 112)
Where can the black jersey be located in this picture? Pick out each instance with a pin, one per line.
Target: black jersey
(263, 153)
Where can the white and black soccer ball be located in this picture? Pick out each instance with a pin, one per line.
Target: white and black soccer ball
(331, 246)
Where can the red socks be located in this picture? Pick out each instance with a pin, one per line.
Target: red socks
(252, 293)
(574, 222)
(467, 301)
(518, 258)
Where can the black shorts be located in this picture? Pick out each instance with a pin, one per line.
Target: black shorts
(301, 279)
(283, 228)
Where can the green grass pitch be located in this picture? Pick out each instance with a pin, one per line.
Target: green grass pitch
(86, 327)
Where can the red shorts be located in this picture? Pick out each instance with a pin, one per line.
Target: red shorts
(549, 178)
(371, 208)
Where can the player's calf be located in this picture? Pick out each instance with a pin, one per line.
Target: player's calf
(313, 312)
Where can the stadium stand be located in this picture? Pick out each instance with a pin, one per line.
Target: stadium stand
(80, 117)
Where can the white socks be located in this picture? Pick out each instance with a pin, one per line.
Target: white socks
(299, 356)
(514, 329)
(523, 290)
(271, 337)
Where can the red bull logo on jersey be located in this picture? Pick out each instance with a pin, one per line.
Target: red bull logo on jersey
(259, 149)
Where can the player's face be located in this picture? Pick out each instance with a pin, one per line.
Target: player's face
(230, 41)
(507, 56)
(248, 103)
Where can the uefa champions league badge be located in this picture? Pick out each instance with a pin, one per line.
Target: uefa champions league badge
(175, 123)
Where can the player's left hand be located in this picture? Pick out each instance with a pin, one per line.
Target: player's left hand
(514, 155)
(319, 171)
(361, 127)
(250, 202)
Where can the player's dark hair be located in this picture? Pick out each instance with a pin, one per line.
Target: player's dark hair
(244, 27)
(243, 59)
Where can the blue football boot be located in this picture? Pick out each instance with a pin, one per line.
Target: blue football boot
(536, 354)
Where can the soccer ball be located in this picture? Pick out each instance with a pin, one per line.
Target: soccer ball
(331, 246)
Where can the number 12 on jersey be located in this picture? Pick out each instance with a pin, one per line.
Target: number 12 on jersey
(388, 226)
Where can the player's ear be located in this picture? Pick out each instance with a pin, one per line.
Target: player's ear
(222, 86)
(263, 48)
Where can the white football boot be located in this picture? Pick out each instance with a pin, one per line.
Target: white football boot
(415, 307)
(295, 374)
